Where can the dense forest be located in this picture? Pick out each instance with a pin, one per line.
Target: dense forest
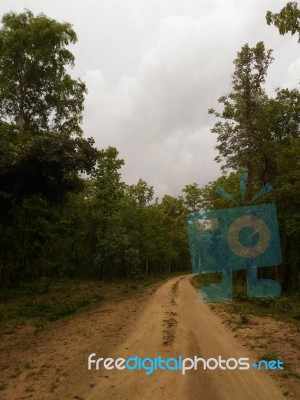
(64, 209)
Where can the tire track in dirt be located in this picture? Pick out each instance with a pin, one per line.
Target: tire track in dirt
(197, 332)
(168, 322)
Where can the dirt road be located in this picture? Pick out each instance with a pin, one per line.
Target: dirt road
(170, 322)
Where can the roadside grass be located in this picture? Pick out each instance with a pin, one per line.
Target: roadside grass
(237, 313)
(40, 303)
(288, 370)
(285, 308)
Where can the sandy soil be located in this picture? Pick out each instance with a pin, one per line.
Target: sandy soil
(168, 322)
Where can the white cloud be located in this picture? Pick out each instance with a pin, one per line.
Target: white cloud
(293, 75)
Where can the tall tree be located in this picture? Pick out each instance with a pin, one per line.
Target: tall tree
(287, 184)
(241, 124)
(42, 150)
(174, 223)
(36, 92)
(285, 117)
(109, 191)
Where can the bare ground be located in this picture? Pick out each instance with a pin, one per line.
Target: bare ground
(169, 322)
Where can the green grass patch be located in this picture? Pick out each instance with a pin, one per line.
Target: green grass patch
(35, 305)
(43, 302)
(285, 308)
(288, 370)
(51, 310)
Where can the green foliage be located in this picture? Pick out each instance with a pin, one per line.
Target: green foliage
(193, 197)
(260, 135)
(287, 20)
(240, 129)
(213, 201)
(42, 151)
(36, 92)
(47, 166)
(108, 191)
(53, 222)
(141, 192)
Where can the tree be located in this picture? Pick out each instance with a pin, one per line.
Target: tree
(109, 188)
(213, 200)
(240, 131)
(193, 197)
(286, 195)
(138, 223)
(36, 93)
(42, 151)
(285, 116)
(141, 192)
(174, 225)
(109, 191)
(287, 20)
(47, 167)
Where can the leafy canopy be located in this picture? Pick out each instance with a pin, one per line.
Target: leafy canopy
(36, 92)
(287, 20)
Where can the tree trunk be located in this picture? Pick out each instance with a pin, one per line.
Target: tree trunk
(21, 121)
(249, 181)
(4, 270)
(294, 258)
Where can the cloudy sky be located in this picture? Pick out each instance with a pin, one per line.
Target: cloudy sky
(154, 67)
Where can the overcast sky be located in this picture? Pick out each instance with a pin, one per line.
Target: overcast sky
(154, 67)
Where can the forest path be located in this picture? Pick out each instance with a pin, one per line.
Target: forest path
(168, 322)
(175, 323)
